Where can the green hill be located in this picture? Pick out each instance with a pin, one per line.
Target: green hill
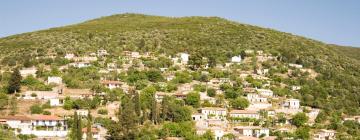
(337, 87)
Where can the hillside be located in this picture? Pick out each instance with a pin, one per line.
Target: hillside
(209, 37)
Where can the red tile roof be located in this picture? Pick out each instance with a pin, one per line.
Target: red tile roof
(243, 112)
(20, 118)
(46, 117)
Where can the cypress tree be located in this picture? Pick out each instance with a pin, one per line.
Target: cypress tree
(79, 128)
(154, 111)
(137, 103)
(76, 133)
(89, 127)
(128, 119)
(15, 81)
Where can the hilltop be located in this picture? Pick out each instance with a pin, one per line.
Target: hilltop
(329, 75)
(209, 35)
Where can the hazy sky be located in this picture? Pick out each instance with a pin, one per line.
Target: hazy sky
(330, 21)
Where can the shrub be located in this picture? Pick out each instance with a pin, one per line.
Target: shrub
(47, 113)
(36, 109)
(33, 95)
(102, 111)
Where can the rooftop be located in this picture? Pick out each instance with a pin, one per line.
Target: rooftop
(243, 112)
(46, 117)
(214, 108)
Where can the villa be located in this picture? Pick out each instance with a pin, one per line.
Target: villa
(38, 125)
(244, 114)
(213, 112)
(111, 84)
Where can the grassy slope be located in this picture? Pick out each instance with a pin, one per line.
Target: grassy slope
(210, 35)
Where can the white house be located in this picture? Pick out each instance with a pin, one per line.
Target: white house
(352, 118)
(82, 112)
(291, 103)
(42, 95)
(28, 71)
(218, 132)
(295, 88)
(197, 117)
(298, 66)
(184, 57)
(54, 80)
(244, 114)
(236, 59)
(324, 134)
(135, 55)
(255, 98)
(253, 131)
(214, 112)
(56, 102)
(262, 71)
(80, 64)
(111, 84)
(38, 125)
(86, 59)
(47, 121)
(217, 126)
(18, 122)
(265, 92)
(69, 56)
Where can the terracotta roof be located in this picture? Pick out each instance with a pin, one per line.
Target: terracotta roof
(74, 92)
(243, 112)
(21, 118)
(41, 94)
(46, 117)
(248, 127)
(110, 82)
(93, 130)
(247, 138)
(270, 138)
(213, 108)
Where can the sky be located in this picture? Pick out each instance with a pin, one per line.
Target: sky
(329, 21)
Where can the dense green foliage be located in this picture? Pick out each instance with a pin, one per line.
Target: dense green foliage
(14, 82)
(299, 119)
(76, 129)
(335, 90)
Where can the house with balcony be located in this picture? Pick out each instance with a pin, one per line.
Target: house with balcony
(253, 131)
(38, 125)
(324, 134)
(265, 92)
(214, 112)
(111, 84)
(236, 59)
(54, 80)
(291, 104)
(244, 114)
(25, 72)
